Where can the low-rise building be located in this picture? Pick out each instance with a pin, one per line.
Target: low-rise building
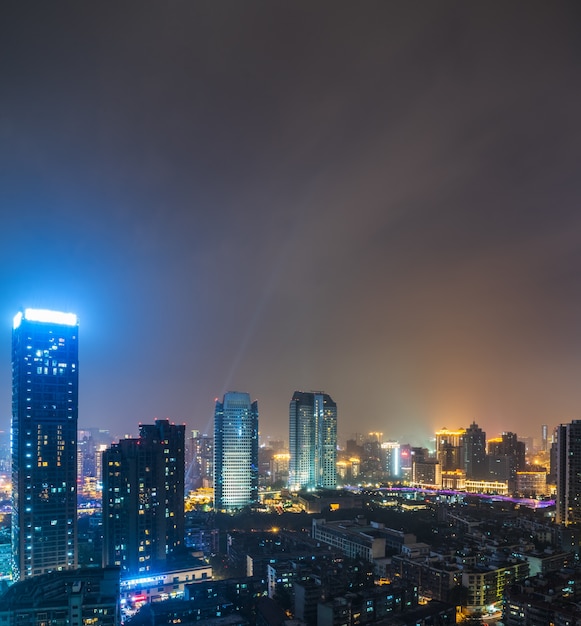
(140, 590)
(497, 487)
(486, 583)
(353, 539)
(548, 599)
(436, 578)
(72, 597)
(367, 606)
(546, 561)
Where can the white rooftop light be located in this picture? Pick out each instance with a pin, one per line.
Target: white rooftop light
(47, 316)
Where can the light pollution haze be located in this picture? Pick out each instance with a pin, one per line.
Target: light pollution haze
(378, 200)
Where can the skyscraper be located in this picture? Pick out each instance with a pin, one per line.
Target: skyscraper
(235, 452)
(199, 461)
(450, 449)
(475, 452)
(544, 437)
(143, 499)
(312, 441)
(506, 457)
(568, 504)
(44, 442)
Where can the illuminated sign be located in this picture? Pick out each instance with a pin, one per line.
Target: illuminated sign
(146, 580)
(46, 316)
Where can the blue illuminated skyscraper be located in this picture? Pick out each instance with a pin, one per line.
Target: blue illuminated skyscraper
(44, 442)
(312, 441)
(235, 452)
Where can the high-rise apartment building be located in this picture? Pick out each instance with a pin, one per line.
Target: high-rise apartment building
(44, 442)
(475, 453)
(506, 457)
(235, 452)
(143, 499)
(450, 449)
(392, 451)
(568, 505)
(199, 461)
(312, 441)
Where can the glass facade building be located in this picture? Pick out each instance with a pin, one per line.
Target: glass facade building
(312, 441)
(235, 452)
(45, 374)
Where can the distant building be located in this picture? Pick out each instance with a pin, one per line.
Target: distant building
(357, 539)
(453, 479)
(497, 487)
(532, 481)
(568, 473)
(313, 441)
(426, 471)
(279, 467)
(450, 448)
(45, 398)
(143, 499)
(544, 437)
(199, 461)
(235, 452)
(391, 450)
(506, 456)
(405, 454)
(475, 452)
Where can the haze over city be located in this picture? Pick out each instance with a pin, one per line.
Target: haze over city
(379, 201)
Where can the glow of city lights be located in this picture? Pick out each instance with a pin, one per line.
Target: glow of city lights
(146, 580)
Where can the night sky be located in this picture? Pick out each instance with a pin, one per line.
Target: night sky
(380, 200)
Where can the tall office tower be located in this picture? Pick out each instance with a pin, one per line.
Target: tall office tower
(313, 441)
(44, 442)
(450, 449)
(568, 504)
(475, 452)
(200, 461)
(506, 457)
(143, 499)
(405, 454)
(391, 450)
(553, 451)
(235, 452)
(372, 460)
(544, 437)
(5, 459)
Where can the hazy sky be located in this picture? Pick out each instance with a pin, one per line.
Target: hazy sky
(375, 199)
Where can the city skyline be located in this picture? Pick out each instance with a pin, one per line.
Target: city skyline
(379, 202)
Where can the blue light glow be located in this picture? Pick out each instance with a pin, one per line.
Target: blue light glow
(17, 320)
